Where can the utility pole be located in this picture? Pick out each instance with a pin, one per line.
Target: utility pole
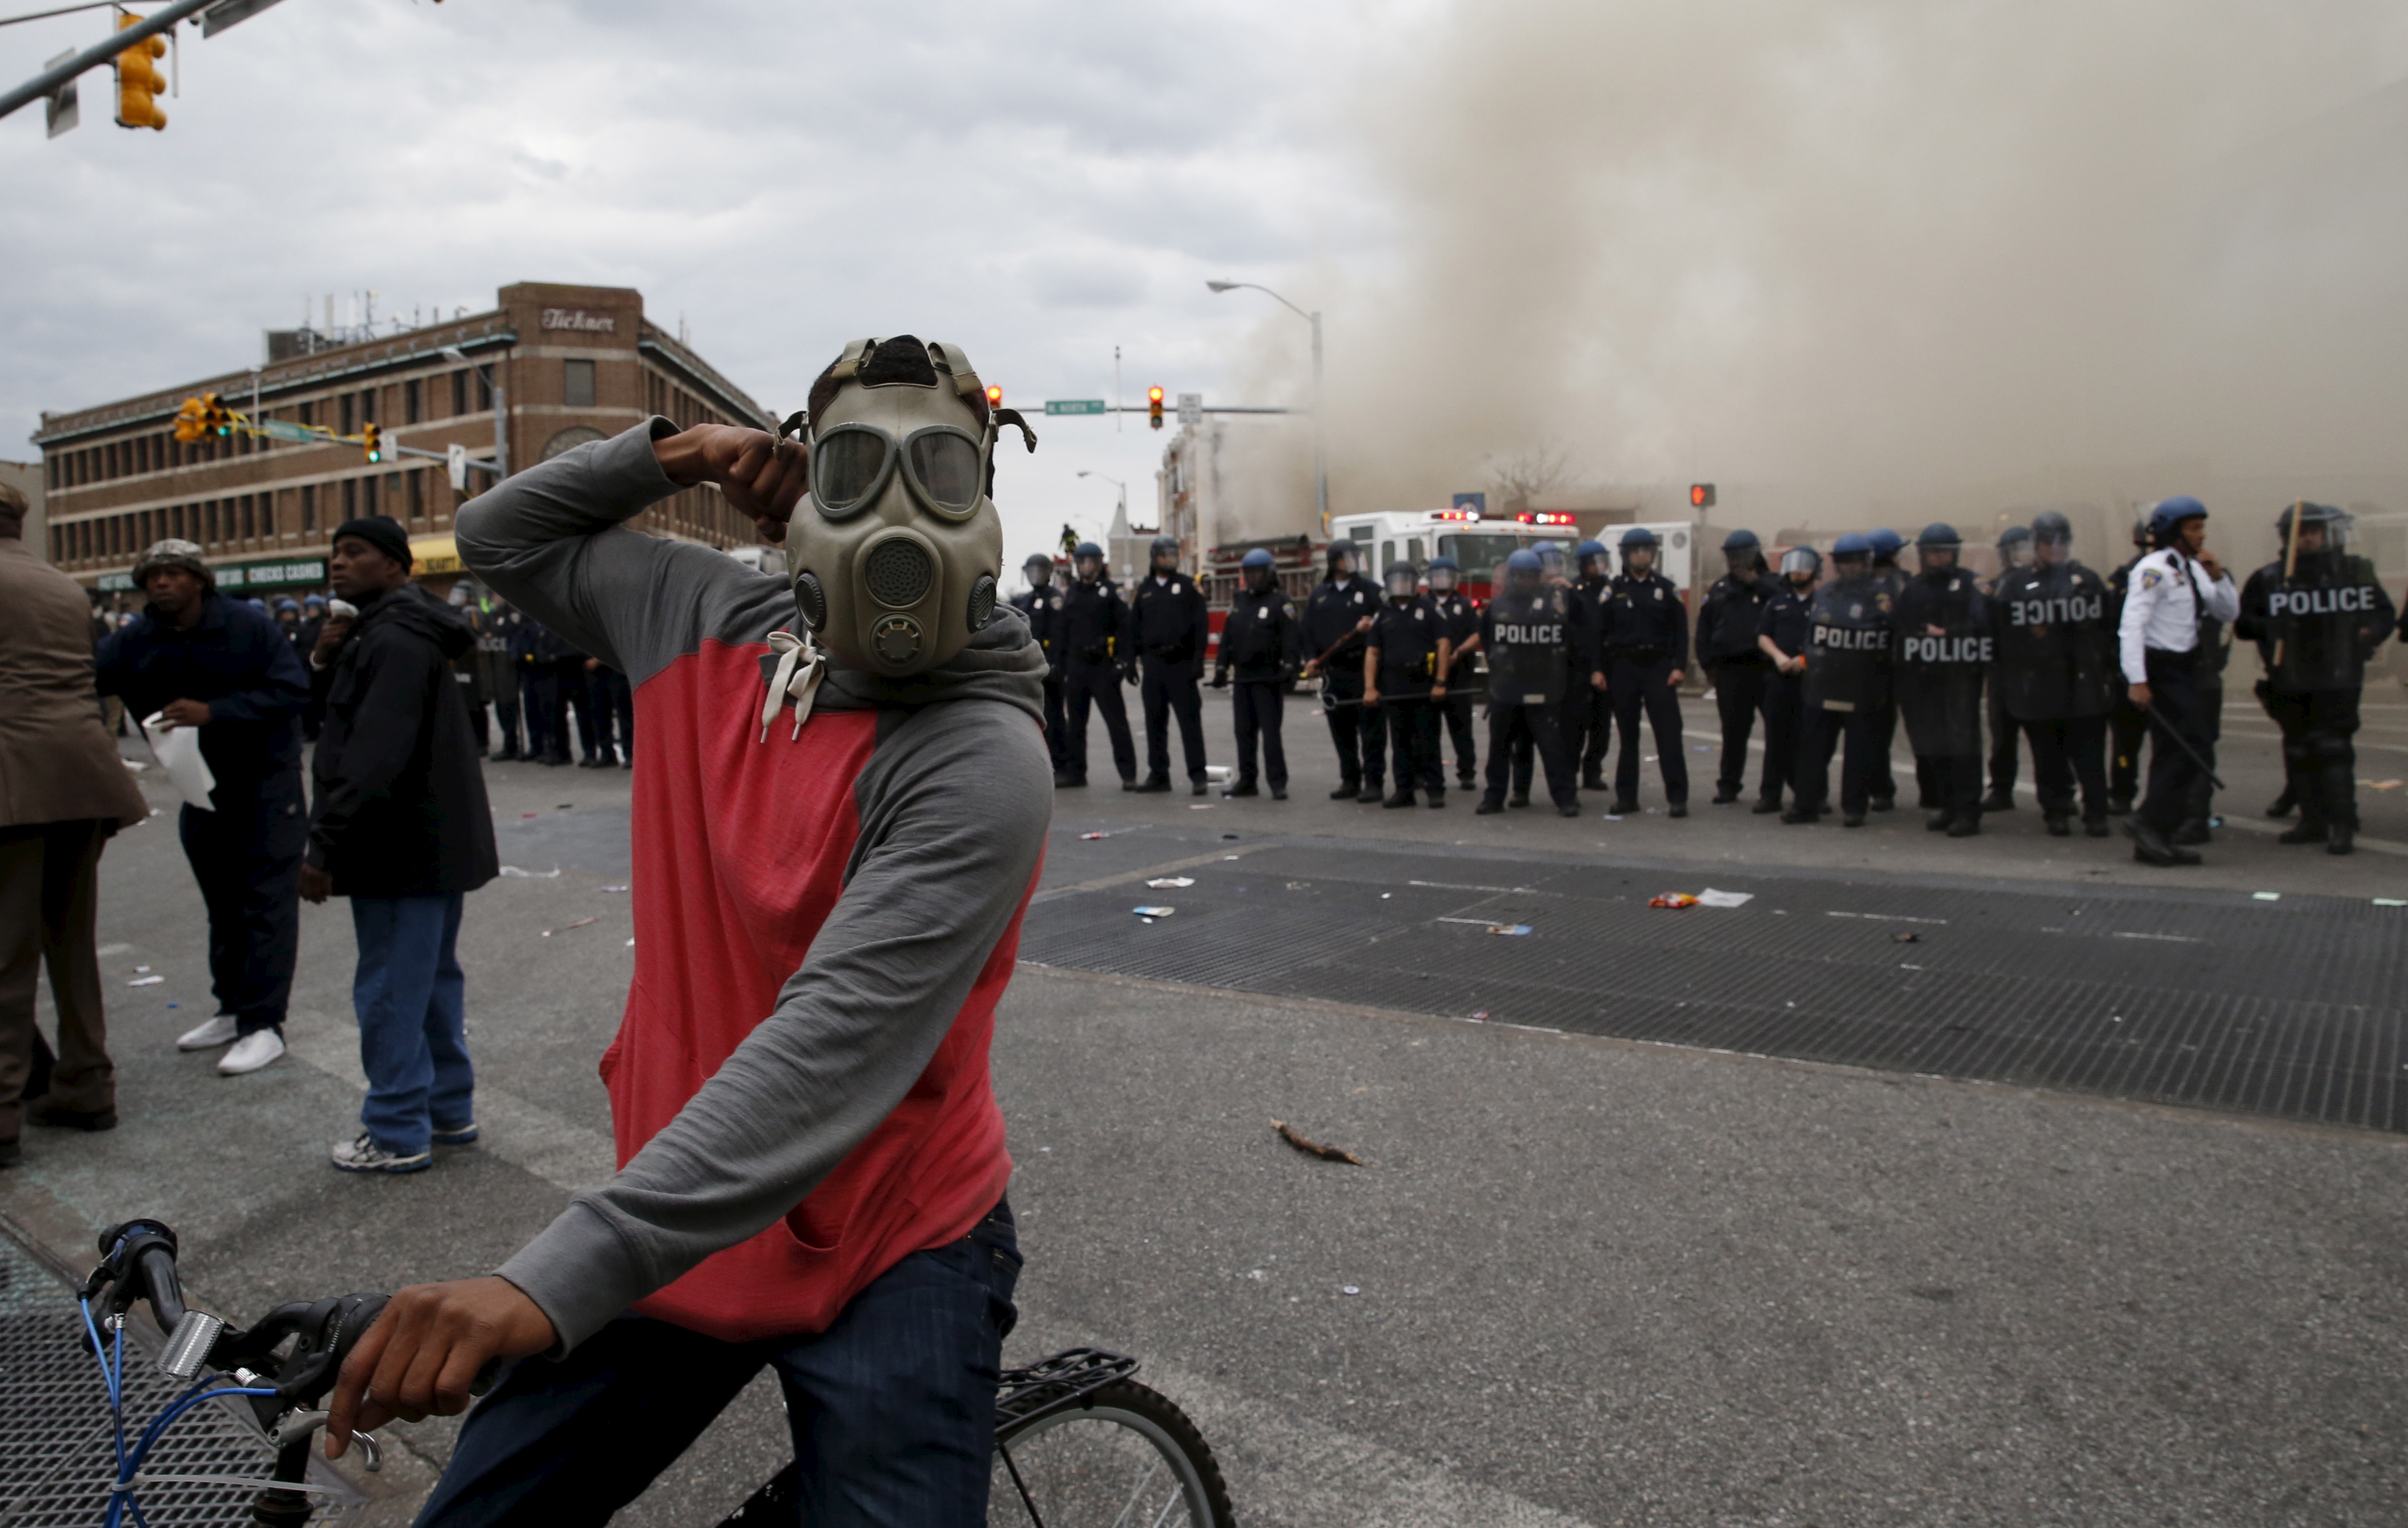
(1116, 390)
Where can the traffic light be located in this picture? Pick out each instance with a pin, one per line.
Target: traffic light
(372, 442)
(1702, 495)
(192, 421)
(994, 396)
(215, 417)
(1153, 407)
(139, 83)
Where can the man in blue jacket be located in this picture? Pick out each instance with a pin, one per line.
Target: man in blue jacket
(201, 660)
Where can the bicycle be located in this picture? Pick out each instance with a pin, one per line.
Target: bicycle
(1078, 1440)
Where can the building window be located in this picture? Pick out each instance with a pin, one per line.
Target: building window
(351, 498)
(418, 498)
(305, 413)
(343, 404)
(459, 392)
(268, 514)
(409, 402)
(578, 387)
(367, 495)
(484, 392)
(310, 507)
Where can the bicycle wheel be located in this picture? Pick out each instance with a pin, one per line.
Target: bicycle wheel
(1123, 1458)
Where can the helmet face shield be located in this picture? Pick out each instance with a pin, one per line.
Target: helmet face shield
(1799, 559)
(1402, 579)
(1441, 579)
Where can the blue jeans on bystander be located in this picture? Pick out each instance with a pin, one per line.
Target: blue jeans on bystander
(411, 999)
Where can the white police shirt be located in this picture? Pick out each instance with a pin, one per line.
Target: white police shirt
(2161, 608)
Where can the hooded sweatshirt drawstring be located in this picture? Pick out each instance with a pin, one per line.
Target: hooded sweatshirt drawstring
(801, 668)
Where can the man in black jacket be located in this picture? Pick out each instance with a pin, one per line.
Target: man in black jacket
(1042, 603)
(400, 826)
(1258, 639)
(1167, 615)
(204, 660)
(1642, 647)
(1727, 623)
(1093, 659)
(1337, 616)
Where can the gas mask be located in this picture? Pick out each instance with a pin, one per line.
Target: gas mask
(897, 547)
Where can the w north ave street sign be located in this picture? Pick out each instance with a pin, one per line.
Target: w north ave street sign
(1076, 406)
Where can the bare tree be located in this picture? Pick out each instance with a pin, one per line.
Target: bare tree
(1525, 472)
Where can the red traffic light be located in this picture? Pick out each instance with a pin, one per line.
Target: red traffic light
(1702, 495)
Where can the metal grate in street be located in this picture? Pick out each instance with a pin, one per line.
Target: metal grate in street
(2291, 1008)
(56, 1458)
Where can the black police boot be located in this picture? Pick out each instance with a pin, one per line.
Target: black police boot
(1244, 788)
(1999, 801)
(1279, 792)
(1725, 795)
(1766, 806)
(1347, 790)
(1466, 780)
(1519, 798)
(509, 751)
(1490, 807)
(1069, 779)
(2311, 830)
(1592, 781)
(2193, 831)
(2342, 838)
(1854, 820)
(1197, 785)
(1800, 814)
(2149, 846)
(1622, 809)
(2059, 825)
(1401, 797)
(2119, 805)
(1369, 795)
(1884, 804)
(2095, 824)
(1434, 798)
(1965, 825)
(1153, 785)
(1678, 808)
(1129, 782)
(2282, 805)
(1945, 820)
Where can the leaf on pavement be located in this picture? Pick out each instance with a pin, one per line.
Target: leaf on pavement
(1314, 1148)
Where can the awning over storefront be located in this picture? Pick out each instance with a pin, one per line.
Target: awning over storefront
(434, 556)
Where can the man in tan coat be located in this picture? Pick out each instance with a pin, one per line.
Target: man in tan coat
(63, 792)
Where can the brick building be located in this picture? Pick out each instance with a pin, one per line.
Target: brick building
(574, 364)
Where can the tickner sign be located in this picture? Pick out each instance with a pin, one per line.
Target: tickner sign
(581, 321)
(282, 574)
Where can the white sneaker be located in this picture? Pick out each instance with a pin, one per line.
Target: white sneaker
(217, 1032)
(252, 1053)
(363, 1155)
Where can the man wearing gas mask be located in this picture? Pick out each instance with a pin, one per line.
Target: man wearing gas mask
(841, 820)
(1095, 661)
(1041, 606)
(1167, 615)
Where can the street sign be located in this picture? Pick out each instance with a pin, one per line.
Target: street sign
(276, 429)
(457, 460)
(1191, 409)
(60, 107)
(1076, 406)
(1476, 503)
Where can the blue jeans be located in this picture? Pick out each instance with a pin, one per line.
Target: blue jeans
(891, 1408)
(408, 993)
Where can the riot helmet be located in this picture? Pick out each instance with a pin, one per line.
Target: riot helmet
(2016, 547)
(2322, 528)
(1163, 556)
(1087, 562)
(2141, 530)
(1801, 566)
(1340, 558)
(1038, 570)
(1886, 543)
(897, 552)
(1742, 554)
(1445, 573)
(1852, 555)
(2052, 537)
(1524, 573)
(1551, 559)
(1638, 550)
(1937, 549)
(1256, 569)
(2166, 520)
(1593, 551)
(1402, 579)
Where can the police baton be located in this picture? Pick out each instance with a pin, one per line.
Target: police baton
(2184, 743)
(1331, 703)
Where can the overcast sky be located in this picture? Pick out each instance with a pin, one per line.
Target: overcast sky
(1036, 182)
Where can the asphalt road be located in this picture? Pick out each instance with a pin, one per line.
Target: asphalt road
(1596, 1282)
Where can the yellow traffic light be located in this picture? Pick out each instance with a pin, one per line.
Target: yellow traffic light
(192, 421)
(372, 441)
(1153, 408)
(140, 84)
(215, 419)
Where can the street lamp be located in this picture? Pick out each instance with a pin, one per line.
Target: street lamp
(457, 356)
(1320, 444)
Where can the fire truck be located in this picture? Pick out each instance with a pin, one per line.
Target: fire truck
(1480, 544)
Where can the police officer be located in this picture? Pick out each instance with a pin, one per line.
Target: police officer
(1644, 648)
(2056, 664)
(1092, 655)
(1727, 622)
(2316, 615)
(1589, 710)
(2006, 738)
(1525, 632)
(1404, 678)
(2175, 590)
(1337, 617)
(1784, 632)
(1887, 544)
(2127, 723)
(1461, 619)
(1943, 647)
(1848, 685)
(1260, 640)
(1168, 616)
(1583, 618)
(1040, 603)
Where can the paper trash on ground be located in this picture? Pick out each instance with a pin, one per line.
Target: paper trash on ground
(1712, 898)
(1164, 883)
(1514, 930)
(1673, 899)
(179, 752)
(552, 874)
(1153, 912)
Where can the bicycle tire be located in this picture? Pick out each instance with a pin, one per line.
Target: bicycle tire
(1088, 1466)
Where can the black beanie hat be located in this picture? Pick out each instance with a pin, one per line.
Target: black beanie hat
(384, 532)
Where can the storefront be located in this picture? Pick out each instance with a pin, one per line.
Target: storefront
(257, 579)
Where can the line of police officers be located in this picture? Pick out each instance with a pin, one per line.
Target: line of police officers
(2047, 652)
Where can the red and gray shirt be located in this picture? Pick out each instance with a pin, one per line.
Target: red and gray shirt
(825, 921)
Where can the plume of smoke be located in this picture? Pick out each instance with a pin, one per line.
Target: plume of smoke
(1879, 250)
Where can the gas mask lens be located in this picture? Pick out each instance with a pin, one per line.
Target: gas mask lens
(851, 465)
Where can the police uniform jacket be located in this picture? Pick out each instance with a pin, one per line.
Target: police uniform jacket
(1644, 620)
(1407, 636)
(1043, 609)
(1330, 612)
(1729, 619)
(1787, 618)
(1093, 624)
(1167, 615)
(1260, 639)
